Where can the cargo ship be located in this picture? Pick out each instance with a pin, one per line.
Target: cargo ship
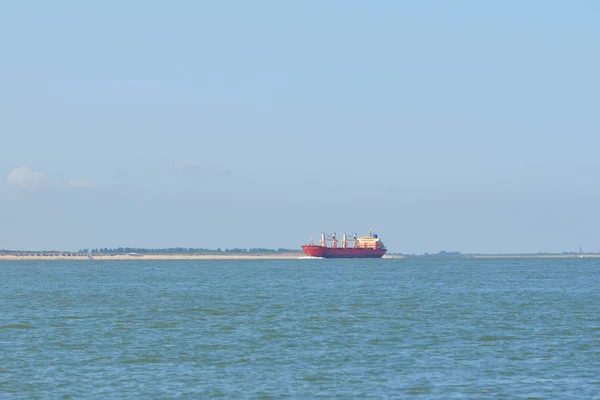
(369, 246)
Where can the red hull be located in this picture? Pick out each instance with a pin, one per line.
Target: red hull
(330, 252)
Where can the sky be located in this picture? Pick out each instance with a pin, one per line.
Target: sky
(460, 126)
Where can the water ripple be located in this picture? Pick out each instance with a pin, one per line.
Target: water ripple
(301, 329)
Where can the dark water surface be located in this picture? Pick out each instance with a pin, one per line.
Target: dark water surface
(300, 329)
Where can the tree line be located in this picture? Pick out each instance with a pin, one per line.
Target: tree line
(185, 250)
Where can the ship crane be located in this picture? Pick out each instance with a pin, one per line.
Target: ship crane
(334, 241)
(354, 241)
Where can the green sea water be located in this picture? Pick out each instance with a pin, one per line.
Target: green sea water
(387, 328)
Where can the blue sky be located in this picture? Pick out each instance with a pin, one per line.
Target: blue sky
(467, 125)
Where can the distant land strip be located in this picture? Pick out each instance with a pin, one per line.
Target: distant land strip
(179, 253)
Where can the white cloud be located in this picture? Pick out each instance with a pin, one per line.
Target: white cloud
(24, 176)
(81, 183)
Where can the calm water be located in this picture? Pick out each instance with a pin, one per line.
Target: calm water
(300, 329)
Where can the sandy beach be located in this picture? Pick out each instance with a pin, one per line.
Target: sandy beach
(282, 256)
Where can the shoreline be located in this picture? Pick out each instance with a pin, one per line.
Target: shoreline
(281, 256)
(163, 257)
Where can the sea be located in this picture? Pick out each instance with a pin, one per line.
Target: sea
(305, 328)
